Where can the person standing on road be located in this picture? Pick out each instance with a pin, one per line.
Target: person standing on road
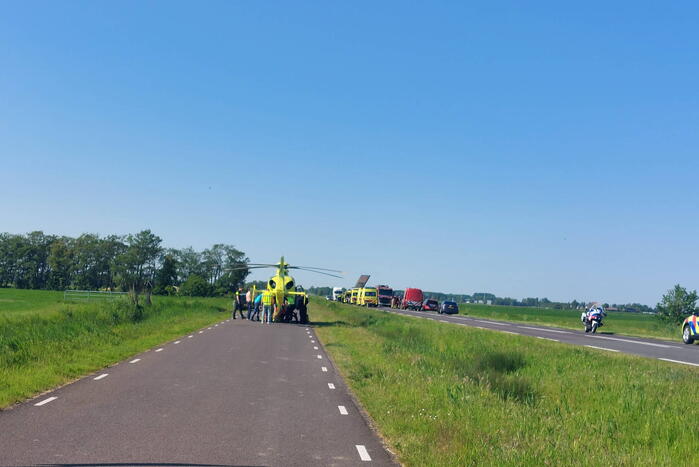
(267, 307)
(239, 304)
(248, 300)
(302, 307)
(256, 306)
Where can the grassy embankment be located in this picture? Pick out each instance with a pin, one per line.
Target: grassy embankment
(45, 342)
(630, 324)
(443, 394)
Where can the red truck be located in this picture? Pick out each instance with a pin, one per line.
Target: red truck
(385, 295)
(412, 299)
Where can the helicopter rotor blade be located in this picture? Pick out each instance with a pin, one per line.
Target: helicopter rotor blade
(313, 267)
(319, 272)
(240, 268)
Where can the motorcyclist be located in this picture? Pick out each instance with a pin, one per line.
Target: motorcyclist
(594, 312)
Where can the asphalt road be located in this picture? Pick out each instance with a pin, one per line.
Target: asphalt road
(675, 352)
(238, 393)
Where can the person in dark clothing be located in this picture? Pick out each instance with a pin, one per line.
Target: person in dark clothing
(239, 304)
(302, 308)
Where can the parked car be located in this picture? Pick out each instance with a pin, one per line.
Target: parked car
(430, 305)
(448, 307)
(412, 299)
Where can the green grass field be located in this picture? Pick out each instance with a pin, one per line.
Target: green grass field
(45, 342)
(449, 395)
(630, 324)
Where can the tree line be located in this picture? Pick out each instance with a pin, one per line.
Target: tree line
(134, 263)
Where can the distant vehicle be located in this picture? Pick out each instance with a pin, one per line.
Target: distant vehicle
(430, 305)
(690, 329)
(368, 296)
(337, 293)
(354, 294)
(412, 299)
(385, 295)
(448, 307)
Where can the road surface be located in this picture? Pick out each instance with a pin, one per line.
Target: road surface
(675, 352)
(236, 393)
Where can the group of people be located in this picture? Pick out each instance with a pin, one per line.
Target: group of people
(265, 309)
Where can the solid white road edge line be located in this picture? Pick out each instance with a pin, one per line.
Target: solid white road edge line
(492, 322)
(547, 338)
(678, 361)
(331, 385)
(342, 409)
(363, 454)
(45, 401)
(634, 342)
(136, 360)
(103, 375)
(544, 329)
(601, 348)
(509, 332)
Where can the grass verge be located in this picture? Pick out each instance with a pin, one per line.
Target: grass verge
(629, 324)
(443, 394)
(45, 343)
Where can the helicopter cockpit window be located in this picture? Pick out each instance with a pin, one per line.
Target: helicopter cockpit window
(272, 284)
(289, 285)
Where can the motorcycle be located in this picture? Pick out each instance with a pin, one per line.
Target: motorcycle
(591, 322)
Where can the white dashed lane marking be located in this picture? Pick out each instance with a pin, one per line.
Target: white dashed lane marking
(678, 361)
(159, 350)
(342, 409)
(601, 348)
(177, 342)
(102, 376)
(547, 339)
(45, 401)
(331, 385)
(319, 357)
(363, 454)
(315, 347)
(324, 369)
(136, 360)
(200, 332)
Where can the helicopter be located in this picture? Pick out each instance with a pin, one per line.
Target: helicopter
(282, 285)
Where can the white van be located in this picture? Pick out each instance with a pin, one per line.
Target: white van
(337, 291)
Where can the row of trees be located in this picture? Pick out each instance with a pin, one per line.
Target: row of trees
(136, 263)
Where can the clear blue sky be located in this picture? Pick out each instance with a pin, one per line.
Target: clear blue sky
(520, 148)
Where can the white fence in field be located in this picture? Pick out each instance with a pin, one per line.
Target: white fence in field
(89, 295)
